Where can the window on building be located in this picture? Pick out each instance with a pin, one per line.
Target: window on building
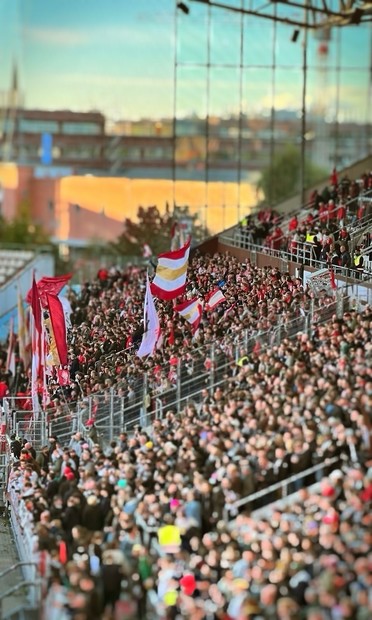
(29, 125)
(79, 152)
(79, 129)
(9, 125)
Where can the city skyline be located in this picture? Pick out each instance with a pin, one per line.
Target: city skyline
(120, 59)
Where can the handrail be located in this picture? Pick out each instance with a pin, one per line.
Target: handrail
(22, 584)
(285, 218)
(277, 485)
(297, 257)
(15, 566)
(129, 413)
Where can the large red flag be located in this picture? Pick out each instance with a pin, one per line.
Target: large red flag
(36, 344)
(33, 298)
(51, 285)
(57, 319)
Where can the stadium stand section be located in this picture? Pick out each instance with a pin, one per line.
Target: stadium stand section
(12, 261)
(130, 491)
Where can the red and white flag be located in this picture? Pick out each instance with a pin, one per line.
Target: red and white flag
(191, 311)
(214, 298)
(151, 334)
(58, 323)
(48, 284)
(67, 310)
(37, 346)
(228, 311)
(170, 277)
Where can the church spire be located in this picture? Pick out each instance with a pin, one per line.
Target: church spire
(14, 88)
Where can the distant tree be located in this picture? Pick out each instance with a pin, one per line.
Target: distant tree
(21, 230)
(282, 179)
(154, 229)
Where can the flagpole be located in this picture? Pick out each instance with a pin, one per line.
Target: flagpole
(45, 388)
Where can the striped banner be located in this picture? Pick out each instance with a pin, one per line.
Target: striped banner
(191, 311)
(170, 277)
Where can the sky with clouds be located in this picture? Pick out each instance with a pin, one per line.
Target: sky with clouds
(118, 56)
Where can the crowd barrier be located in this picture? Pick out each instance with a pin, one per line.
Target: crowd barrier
(113, 413)
(280, 490)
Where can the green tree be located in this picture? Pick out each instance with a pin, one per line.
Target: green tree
(154, 228)
(282, 179)
(21, 230)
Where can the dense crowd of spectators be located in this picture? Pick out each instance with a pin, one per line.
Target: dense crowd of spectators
(324, 224)
(139, 526)
(107, 326)
(142, 520)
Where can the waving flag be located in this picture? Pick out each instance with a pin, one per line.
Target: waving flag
(151, 323)
(57, 320)
(227, 312)
(67, 311)
(170, 277)
(49, 285)
(36, 345)
(191, 311)
(214, 298)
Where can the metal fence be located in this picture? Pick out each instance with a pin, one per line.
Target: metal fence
(280, 490)
(4, 464)
(303, 253)
(209, 368)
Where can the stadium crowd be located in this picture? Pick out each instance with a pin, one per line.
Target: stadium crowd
(107, 327)
(143, 519)
(324, 225)
(147, 526)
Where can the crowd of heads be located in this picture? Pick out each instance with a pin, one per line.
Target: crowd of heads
(325, 223)
(150, 522)
(107, 326)
(148, 525)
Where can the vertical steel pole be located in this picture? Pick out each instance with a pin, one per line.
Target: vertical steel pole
(111, 431)
(303, 112)
(272, 116)
(121, 413)
(175, 88)
(240, 127)
(209, 18)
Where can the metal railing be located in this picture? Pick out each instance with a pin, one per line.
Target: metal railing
(356, 228)
(3, 478)
(303, 254)
(279, 490)
(31, 584)
(113, 413)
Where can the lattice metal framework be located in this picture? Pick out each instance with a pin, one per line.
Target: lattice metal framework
(316, 13)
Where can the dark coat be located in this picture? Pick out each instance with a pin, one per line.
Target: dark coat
(93, 518)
